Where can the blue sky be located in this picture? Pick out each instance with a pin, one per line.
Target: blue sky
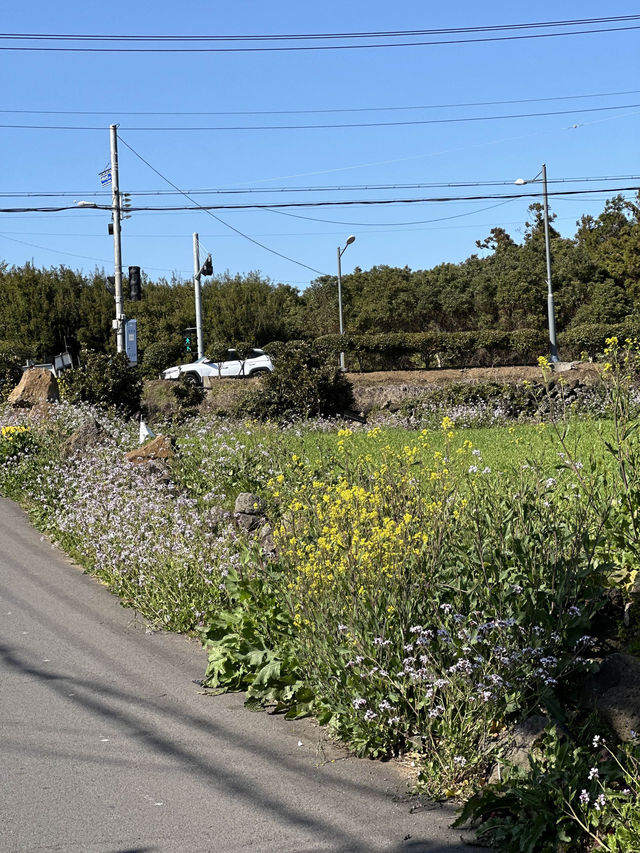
(94, 90)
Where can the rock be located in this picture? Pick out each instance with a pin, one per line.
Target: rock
(267, 542)
(615, 691)
(86, 436)
(518, 744)
(250, 518)
(248, 521)
(159, 469)
(352, 415)
(159, 448)
(250, 504)
(564, 366)
(36, 386)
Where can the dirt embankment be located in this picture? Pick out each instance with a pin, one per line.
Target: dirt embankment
(373, 390)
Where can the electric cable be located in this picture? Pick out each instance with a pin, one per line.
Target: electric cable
(324, 110)
(296, 36)
(315, 204)
(334, 188)
(333, 126)
(226, 224)
(389, 34)
(414, 222)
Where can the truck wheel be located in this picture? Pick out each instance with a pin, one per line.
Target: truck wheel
(192, 378)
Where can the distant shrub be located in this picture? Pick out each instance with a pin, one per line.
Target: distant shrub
(103, 380)
(275, 349)
(11, 360)
(188, 397)
(303, 385)
(478, 348)
(160, 355)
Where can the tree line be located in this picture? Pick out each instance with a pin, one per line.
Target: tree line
(502, 287)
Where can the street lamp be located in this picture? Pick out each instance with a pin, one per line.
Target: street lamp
(553, 345)
(341, 252)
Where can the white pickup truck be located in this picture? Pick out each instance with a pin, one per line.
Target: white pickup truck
(257, 362)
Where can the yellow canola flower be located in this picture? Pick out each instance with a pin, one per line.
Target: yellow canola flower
(10, 432)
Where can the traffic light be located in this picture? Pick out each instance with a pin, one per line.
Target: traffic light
(207, 266)
(135, 284)
(190, 340)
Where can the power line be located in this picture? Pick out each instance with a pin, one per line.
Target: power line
(206, 210)
(315, 204)
(296, 36)
(373, 228)
(317, 188)
(319, 111)
(302, 48)
(5, 236)
(330, 126)
(319, 37)
(414, 222)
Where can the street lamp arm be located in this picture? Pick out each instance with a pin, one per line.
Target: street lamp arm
(350, 240)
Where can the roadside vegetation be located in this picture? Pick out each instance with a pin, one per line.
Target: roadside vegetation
(423, 590)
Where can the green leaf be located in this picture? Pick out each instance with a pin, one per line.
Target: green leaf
(268, 673)
(256, 657)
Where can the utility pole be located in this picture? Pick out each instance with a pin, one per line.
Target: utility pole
(119, 322)
(197, 271)
(553, 344)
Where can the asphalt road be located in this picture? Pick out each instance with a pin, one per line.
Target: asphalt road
(108, 745)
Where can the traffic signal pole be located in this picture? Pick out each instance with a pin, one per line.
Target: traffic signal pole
(197, 271)
(117, 246)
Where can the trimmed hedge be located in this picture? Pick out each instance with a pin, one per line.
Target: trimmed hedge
(486, 348)
(437, 349)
